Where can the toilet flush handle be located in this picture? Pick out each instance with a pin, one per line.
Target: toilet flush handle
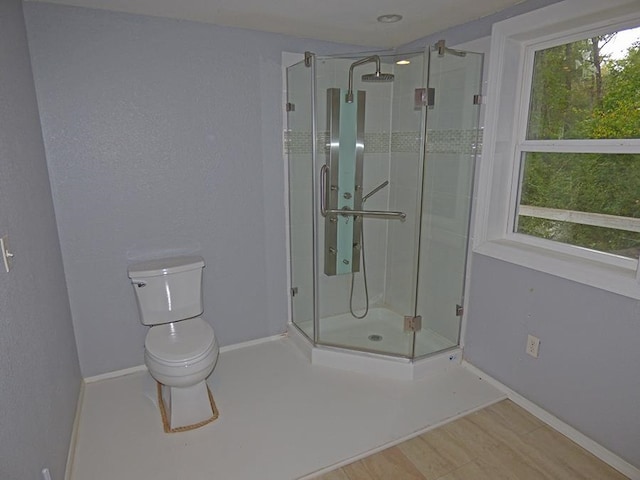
(140, 284)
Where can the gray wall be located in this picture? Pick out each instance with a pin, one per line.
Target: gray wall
(588, 370)
(39, 372)
(163, 137)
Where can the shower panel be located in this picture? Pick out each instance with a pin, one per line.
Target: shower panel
(371, 163)
(342, 182)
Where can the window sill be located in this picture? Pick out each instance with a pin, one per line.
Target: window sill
(615, 279)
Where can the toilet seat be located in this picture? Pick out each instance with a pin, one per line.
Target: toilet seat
(187, 341)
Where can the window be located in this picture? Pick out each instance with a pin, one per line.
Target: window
(583, 90)
(559, 186)
(582, 199)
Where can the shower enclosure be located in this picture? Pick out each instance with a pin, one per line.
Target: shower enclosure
(381, 154)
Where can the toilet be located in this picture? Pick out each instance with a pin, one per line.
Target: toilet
(180, 349)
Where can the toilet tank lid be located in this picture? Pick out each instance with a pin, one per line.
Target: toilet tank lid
(165, 266)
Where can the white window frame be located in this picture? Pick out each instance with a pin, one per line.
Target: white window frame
(513, 45)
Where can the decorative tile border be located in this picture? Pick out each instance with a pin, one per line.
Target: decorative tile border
(454, 141)
(377, 142)
(408, 142)
(438, 141)
(296, 142)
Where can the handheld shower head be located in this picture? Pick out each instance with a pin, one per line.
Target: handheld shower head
(378, 76)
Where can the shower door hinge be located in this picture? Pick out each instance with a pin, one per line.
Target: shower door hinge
(294, 291)
(290, 107)
(424, 97)
(307, 59)
(412, 324)
(478, 99)
(459, 310)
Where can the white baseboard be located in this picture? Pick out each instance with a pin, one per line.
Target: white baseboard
(567, 430)
(116, 374)
(143, 368)
(68, 472)
(250, 343)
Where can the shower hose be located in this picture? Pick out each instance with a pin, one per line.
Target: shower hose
(364, 276)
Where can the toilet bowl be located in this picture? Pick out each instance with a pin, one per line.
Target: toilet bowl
(181, 350)
(181, 354)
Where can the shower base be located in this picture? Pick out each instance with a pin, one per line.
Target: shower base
(386, 328)
(367, 345)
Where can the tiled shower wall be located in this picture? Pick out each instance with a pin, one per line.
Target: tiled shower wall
(335, 290)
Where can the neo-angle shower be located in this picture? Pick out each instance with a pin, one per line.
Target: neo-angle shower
(386, 157)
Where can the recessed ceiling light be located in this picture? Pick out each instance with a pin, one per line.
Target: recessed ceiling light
(403, 62)
(390, 18)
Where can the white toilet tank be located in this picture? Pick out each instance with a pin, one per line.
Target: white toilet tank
(168, 289)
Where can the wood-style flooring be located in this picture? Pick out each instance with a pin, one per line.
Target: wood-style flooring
(500, 442)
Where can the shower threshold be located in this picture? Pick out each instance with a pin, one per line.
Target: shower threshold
(361, 361)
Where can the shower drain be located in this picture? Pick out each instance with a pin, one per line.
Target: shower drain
(375, 338)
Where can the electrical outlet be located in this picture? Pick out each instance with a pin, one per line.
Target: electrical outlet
(533, 345)
(7, 256)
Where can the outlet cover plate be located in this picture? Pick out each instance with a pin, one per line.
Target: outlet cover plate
(533, 345)
(7, 256)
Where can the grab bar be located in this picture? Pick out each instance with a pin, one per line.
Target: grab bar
(324, 171)
(389, 215)
(385, 214)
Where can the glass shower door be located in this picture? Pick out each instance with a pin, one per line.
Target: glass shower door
(299, 149)
(451, 148)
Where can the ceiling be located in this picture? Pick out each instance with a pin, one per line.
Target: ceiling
(344, 21)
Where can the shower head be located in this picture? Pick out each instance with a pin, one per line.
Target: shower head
(378, 76)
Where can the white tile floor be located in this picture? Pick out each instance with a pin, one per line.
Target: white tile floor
(280, 418)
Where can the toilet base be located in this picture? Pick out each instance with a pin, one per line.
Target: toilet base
(187, 408)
